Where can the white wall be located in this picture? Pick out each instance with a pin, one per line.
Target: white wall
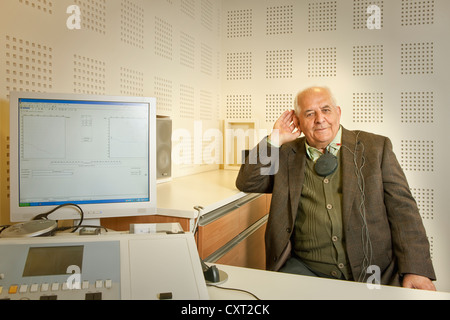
(392, 81)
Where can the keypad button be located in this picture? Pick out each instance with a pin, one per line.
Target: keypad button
(13, 289)
(108, 284)
(85, 285)
(34, 288)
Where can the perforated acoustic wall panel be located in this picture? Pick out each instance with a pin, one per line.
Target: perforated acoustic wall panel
(368, 107)
(322, 62)
(239, 23)
(322, 15)
(29, 64)
(280, 20)
(132, 24)
(368, 60)
(276, 104)
(44, 6)
(239, 65)
(417, 12)
(89, 75)
(131, 82)
(163, 38)
(385, 61)
(279, 64)
(417, 107)
(94, 15)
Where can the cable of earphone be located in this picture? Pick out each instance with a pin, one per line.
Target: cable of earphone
(365, 234)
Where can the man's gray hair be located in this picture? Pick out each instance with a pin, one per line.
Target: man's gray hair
(297, 106)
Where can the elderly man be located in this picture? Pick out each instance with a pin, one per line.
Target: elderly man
(341, 206)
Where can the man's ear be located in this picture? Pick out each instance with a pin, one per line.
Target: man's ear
(297, 122)
(339, 111)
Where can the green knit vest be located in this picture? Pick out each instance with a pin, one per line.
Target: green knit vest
(319, 235)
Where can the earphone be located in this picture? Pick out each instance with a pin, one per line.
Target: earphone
(326, 164)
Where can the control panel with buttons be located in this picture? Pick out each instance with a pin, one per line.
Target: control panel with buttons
(60, 291)
(101, 267)
(59, 271)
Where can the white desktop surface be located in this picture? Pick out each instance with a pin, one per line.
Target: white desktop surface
(268, 285)
(211, 190)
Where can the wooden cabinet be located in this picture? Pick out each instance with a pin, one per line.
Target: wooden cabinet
(249, 253)
(234, 235)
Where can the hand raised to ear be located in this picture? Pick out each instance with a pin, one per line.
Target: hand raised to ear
(285, 129)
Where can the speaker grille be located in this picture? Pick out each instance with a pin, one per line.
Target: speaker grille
(163, 148)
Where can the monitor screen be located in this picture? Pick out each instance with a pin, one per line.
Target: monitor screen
(94, 151)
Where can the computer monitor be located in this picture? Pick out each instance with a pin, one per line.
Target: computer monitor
(98, 152)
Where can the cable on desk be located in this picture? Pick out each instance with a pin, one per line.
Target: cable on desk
(199, 215)
(44, 216)
(235, 289)
(3, 228)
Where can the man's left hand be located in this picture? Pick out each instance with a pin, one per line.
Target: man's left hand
(413, 281)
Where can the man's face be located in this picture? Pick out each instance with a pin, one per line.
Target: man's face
(319, 117)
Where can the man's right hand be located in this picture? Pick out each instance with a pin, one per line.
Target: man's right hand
(286, 129)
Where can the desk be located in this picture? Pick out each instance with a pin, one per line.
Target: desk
(211, 190)
(177, 198)
(268, 285)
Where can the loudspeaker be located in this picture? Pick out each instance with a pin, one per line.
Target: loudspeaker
(163, 149)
